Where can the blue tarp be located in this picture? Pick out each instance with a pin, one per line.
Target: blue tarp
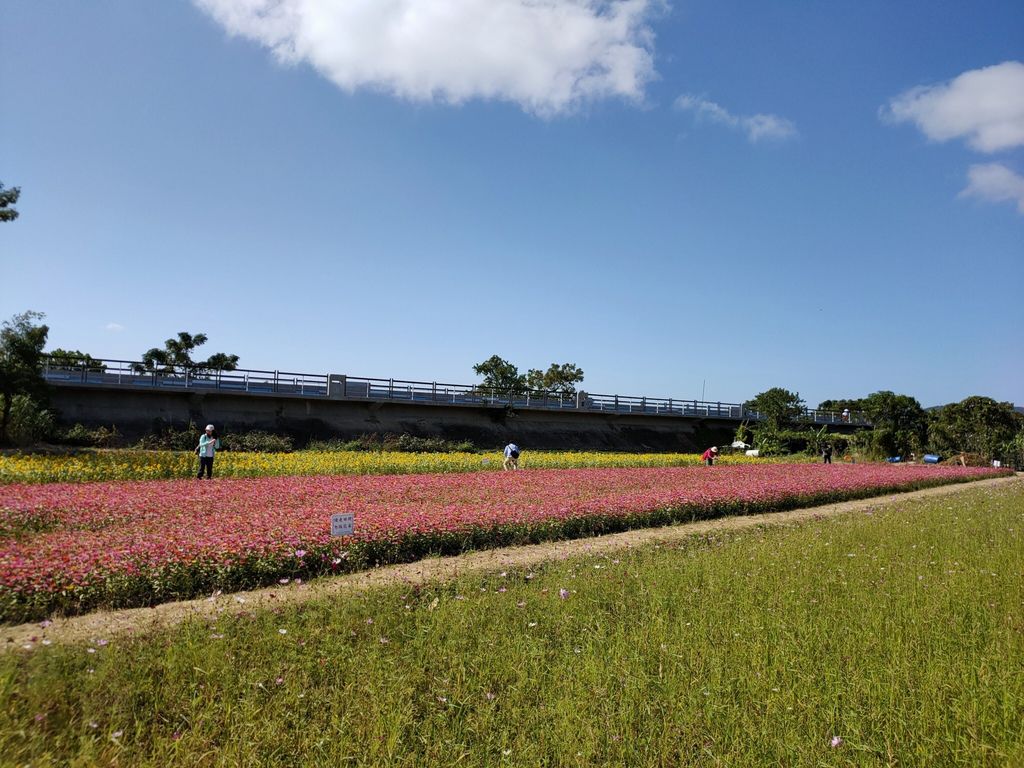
(931, 458)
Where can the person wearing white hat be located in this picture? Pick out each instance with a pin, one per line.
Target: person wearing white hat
(208, 445)
(709, 456)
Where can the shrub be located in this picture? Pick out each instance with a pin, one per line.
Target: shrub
(167, 438)
(404, 443)
(30, 422)
(91, 438)
(257, 442)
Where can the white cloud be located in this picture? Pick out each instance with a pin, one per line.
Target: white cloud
(113, 327)
(548, 56)
(995, 183)
(983, 106)
(757, 127)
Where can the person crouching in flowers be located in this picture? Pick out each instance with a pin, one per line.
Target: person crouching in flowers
(709, 456)
(511, 456)
(208, 445)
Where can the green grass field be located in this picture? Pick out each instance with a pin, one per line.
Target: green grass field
(886, 638)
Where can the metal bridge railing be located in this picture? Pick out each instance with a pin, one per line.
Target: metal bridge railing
(128, 373)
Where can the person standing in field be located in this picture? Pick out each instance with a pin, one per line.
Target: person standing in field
(511, 456)
(709, 456)
(826, 453)
(208, 445)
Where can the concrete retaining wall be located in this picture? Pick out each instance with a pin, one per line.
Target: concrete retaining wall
(136, 412)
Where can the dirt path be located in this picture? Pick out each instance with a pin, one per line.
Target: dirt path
(110, 624)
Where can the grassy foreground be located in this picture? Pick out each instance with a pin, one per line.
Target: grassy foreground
(162, 465)
(886, 638)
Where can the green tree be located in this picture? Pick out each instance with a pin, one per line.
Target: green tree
(8, 197)
(176, 356)
(900, 423)
(559, 379)
(22, 340)
(779, 407)
(841, 404)
(500, 377)
(72, 358)
(975, 425)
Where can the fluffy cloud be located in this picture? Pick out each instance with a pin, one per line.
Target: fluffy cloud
(983, 106)
(757, 127)
(113, 327)
(995, 183)
(548, 56)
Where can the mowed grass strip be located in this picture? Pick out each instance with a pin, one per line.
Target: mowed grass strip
(893, 637)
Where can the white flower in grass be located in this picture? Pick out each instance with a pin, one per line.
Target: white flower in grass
(282, 631)
(836, 741)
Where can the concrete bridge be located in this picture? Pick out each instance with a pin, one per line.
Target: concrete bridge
(332, 405)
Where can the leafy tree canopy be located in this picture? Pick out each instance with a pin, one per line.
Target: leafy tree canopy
(72, 358)
(778, 406)
(500, 376)
(898, 412)
(22, 339)
(176, 356)
(842, 404)
(559, 379)
(975, 425)
(8, 197)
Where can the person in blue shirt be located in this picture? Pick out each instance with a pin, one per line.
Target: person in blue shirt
(208, 445)
(511, 456)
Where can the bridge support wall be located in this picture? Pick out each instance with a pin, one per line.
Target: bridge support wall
(136, 412)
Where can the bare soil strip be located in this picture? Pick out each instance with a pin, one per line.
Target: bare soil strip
(111, 624)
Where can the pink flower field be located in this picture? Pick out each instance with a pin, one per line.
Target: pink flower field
(73, 547)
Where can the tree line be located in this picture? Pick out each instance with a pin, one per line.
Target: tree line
(977, 426)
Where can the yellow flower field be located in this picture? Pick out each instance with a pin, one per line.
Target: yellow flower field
(153, 465)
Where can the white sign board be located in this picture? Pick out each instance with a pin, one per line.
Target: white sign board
(342, 524)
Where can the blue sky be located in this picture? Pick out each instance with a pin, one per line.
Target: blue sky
(730, 196)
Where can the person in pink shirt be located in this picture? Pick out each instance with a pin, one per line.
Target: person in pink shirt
(709, 456)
